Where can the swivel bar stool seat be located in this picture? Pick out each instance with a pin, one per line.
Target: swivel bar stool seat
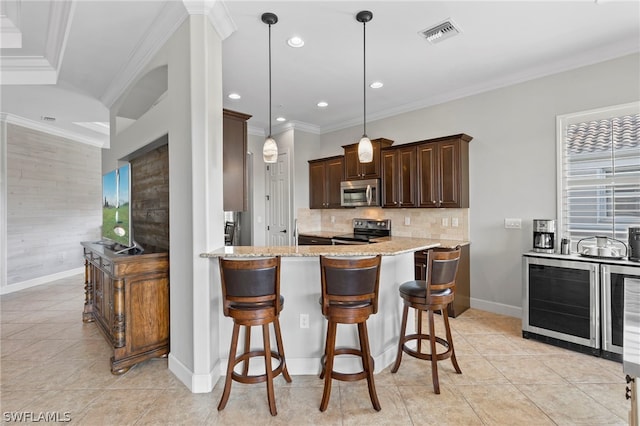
(251, 297)
(349, 296)
(433, 294)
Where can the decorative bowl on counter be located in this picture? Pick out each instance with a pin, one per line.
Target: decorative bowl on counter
(603, 249)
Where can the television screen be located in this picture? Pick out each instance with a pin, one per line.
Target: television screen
(115, 206)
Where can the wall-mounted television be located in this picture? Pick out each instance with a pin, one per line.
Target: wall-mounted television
(116, 214)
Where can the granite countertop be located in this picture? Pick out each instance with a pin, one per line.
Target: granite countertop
(386, 246)
(579, 258)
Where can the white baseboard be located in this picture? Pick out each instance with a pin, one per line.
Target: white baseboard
(496, 308)
(46, 279)
(197, 383)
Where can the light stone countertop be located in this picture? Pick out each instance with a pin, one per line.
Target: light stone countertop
(386, 246)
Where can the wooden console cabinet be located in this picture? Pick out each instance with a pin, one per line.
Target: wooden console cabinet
(127, 296)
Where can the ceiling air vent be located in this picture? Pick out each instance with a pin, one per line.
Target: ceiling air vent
(440, 32)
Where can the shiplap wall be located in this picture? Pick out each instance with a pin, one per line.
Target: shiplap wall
(54, 188)
(150, 199)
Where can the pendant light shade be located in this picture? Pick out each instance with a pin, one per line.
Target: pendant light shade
(270, 148)
(365, 149)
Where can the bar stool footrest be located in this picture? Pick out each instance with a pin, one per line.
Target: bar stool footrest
(258, 378)
(347, 377)
(426, 339)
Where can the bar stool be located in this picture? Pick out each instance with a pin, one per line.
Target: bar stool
(251, 297)
(431, 295)
(349, 296)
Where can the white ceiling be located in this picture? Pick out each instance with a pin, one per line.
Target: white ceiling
(87, 47)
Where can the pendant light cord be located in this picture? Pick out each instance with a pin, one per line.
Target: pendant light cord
(364, 80)
(269, 80)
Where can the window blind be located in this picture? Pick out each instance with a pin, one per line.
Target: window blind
(600, 177)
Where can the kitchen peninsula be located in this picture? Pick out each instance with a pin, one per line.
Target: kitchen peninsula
(300, 286)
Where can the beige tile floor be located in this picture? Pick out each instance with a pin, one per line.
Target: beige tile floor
(52, 362)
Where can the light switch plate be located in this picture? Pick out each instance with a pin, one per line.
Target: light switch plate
(513, 223)
(407, 220)
(445, 221)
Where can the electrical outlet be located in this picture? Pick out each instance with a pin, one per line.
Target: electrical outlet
(407, 220)
(513, 223)
(445, 221)
(333, 219)
(454, 222)
(304, 320)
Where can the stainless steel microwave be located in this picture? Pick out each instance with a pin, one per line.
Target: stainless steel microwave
(360, 193)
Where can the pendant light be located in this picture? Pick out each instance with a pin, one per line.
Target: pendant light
(365, 149)
(270, 148)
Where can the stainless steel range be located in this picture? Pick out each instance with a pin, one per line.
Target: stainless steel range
(365, 231)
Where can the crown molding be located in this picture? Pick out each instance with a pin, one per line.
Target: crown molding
(27, 70)
(199, 7)
(290, 125)
(256, 131)
(11, 34)
(39, 69)
(166, 23)
(51, 130)
(297, 125)
(221, 20)
(216, 11)
(60, 18)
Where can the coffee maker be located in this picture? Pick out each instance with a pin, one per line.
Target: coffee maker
(544, 235)
(634, 244)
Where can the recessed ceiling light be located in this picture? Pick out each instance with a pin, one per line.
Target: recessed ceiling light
(281, 119)
(323, 104)
(295, 41)
(376, 85)
(234, 96)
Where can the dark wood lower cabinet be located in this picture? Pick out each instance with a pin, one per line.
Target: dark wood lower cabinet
(463, 286)
(127, 296)
(308, 240)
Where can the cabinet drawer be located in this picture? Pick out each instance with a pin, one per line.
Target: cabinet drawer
(106, 265)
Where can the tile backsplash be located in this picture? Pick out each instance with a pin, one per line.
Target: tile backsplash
(422, 223)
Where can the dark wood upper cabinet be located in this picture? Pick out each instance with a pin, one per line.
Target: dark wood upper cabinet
(354, 169)
(428, 195)
(399, 176)
(443, 172)
(325, 175)
(430, 173)
(234, 157)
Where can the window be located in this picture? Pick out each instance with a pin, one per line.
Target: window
(599, 172)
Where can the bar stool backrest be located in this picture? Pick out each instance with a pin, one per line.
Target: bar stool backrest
(350, 280)
(254, 281)
(442, 270)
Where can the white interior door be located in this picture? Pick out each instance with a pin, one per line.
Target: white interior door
(278, 200)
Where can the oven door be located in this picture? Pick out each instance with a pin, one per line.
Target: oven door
(561, 301)
(612, 278)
